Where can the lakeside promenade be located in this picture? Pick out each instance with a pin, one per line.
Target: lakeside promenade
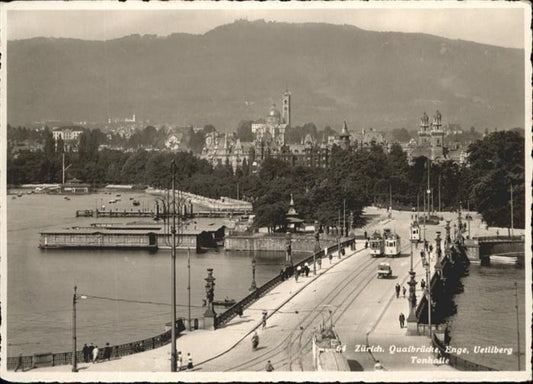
(371, 319)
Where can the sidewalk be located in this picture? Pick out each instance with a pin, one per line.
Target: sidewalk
(220, 340)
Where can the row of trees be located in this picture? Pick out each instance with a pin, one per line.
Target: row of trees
(353, 180)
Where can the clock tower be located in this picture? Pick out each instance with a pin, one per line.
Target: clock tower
(286, 107)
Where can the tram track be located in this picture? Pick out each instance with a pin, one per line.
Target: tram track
(286, 345)
(343, 306)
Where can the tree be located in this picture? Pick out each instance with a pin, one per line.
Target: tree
(244, 131)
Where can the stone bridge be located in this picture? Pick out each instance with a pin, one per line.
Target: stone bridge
(481, 248)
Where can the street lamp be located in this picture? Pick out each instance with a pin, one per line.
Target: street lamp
(75, 298)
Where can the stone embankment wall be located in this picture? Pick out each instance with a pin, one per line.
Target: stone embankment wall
(299, 243)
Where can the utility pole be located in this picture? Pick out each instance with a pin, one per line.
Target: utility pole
(517, 324)
(173, 357)
(64, 169)
(74, 357)
(512, 221)
(439, 195)
(390, 199)
(189, 283)
(344, 217)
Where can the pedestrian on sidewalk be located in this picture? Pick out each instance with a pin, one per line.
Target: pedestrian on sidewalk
(282, 274)
(378, 366)
(423, 284)
(306, 267)
(403, 291)
(330, 257)
(90, 351)
(107, 352)
(179, 361)
(447, 337)
(319, 261)
(95, 354)
(269, 366)
(85, 352)
(366, 244)
(189, 361)
(264, 321)
(296, 274)
(397, 288)
(402, 319)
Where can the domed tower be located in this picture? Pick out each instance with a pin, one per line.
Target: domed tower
(286, 107)
(423, 133)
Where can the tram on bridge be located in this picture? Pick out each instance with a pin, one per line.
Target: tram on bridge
(377, 245)
(392, 243)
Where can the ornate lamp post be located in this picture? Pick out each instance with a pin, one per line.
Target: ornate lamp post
(210, 314)
(438, 251)
(427, 265)
(288, 254)
(412, 321)
(253, 287)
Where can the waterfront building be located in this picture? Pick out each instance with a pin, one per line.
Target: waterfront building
(70, 137)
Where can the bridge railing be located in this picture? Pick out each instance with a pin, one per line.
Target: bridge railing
(231, 312)
(117, 351)
(498, 238)
(456, 361)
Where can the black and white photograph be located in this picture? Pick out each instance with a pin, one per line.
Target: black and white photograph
(265, 191)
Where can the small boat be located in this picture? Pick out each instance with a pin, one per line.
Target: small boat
(131, 198)
(224, 303)
(112, 201)
(66, 198)
(118, 194)
(136, 202)
(19, 195)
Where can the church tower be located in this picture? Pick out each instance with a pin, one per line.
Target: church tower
(286, 107)
(344, 137)
(437, 137)
(423, 133)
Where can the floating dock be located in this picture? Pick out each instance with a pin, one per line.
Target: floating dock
(124, 236)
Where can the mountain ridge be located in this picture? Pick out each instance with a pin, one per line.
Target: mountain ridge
(334, 72)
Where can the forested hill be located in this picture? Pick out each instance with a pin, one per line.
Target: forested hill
(233, 72)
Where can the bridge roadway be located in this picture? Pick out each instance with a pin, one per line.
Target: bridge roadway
(363, 309)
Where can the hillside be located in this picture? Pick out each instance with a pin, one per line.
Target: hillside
(335, 73)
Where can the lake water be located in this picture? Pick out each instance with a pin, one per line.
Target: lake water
(40, 282)
(486, 314)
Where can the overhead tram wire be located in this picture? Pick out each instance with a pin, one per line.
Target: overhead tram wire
(139, 301)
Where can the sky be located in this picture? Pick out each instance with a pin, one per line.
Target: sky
(496, 23)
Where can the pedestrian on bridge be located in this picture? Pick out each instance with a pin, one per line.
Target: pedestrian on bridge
(403, 291)
(95, 354)
(179, 361)
(85, 351)
(264, 322)
(397, 288)
(269, 366)
(402, 319)
(189, 361)
(423, 284)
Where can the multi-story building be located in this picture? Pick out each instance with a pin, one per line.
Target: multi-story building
(70, 137)
(225, 149)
